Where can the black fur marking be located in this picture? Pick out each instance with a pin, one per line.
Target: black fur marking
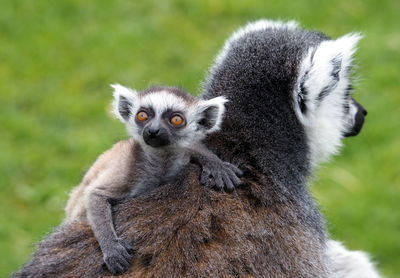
(124, 108)
(312, 58)
(347, 96)
(169, 113)
(150, 112)
(325, 91)
(302, 97)
(337, 65)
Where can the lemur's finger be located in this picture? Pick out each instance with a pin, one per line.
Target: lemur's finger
(122, 259)
(126, 245)
(127, 257)
(113, 266)
(229, 187)
(218, 182)
(120, 268)
(205, 177)
(235, 169)
(235, 179)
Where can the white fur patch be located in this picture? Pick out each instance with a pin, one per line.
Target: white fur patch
(349, 264)
(258, 25)
(325, 68)
(163, 100)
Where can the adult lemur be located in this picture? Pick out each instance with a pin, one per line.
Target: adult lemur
(300, 81)
(167, 126)
(289, 107)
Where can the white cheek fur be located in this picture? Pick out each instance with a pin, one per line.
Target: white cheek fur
(325, 68)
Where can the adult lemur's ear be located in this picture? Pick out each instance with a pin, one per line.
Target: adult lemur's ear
(124, 102)
(211, 111)
(325, 71)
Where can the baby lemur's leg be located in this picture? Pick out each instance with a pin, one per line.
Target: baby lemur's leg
(224, 174)
(117, 253)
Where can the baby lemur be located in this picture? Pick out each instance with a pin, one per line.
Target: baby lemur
(167, 126)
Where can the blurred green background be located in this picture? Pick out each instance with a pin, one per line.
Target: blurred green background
(57, 59)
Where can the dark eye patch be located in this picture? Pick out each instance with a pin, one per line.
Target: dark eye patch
(169, 113)
(150, 113)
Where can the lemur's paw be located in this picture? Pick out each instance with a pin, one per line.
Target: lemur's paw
(118, 256)
(221, 176)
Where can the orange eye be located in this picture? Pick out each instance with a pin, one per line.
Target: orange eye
(176, 120)
(142, 116)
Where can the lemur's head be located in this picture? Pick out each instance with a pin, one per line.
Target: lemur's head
(296, 82)
(162, 117)
(322, 96)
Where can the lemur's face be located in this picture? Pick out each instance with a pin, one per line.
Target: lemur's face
(322, 97)
(160, 128)
(167, 117)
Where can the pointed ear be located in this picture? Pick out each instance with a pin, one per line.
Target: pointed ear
(124, 101)
(211, 113)
(335, 56)
(325, 71)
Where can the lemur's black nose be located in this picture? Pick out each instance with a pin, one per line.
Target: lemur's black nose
(154, 131)
(360, 108)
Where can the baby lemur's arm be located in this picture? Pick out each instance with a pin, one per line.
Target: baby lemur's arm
(108, 178)
(117, 253)
(215, 172)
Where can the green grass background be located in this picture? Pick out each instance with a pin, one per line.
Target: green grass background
(57, 59)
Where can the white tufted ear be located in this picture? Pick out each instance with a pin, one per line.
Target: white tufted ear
(124, 101)
(212, 112)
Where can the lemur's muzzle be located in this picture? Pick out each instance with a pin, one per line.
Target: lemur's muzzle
(358, 120)
(156, 137)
